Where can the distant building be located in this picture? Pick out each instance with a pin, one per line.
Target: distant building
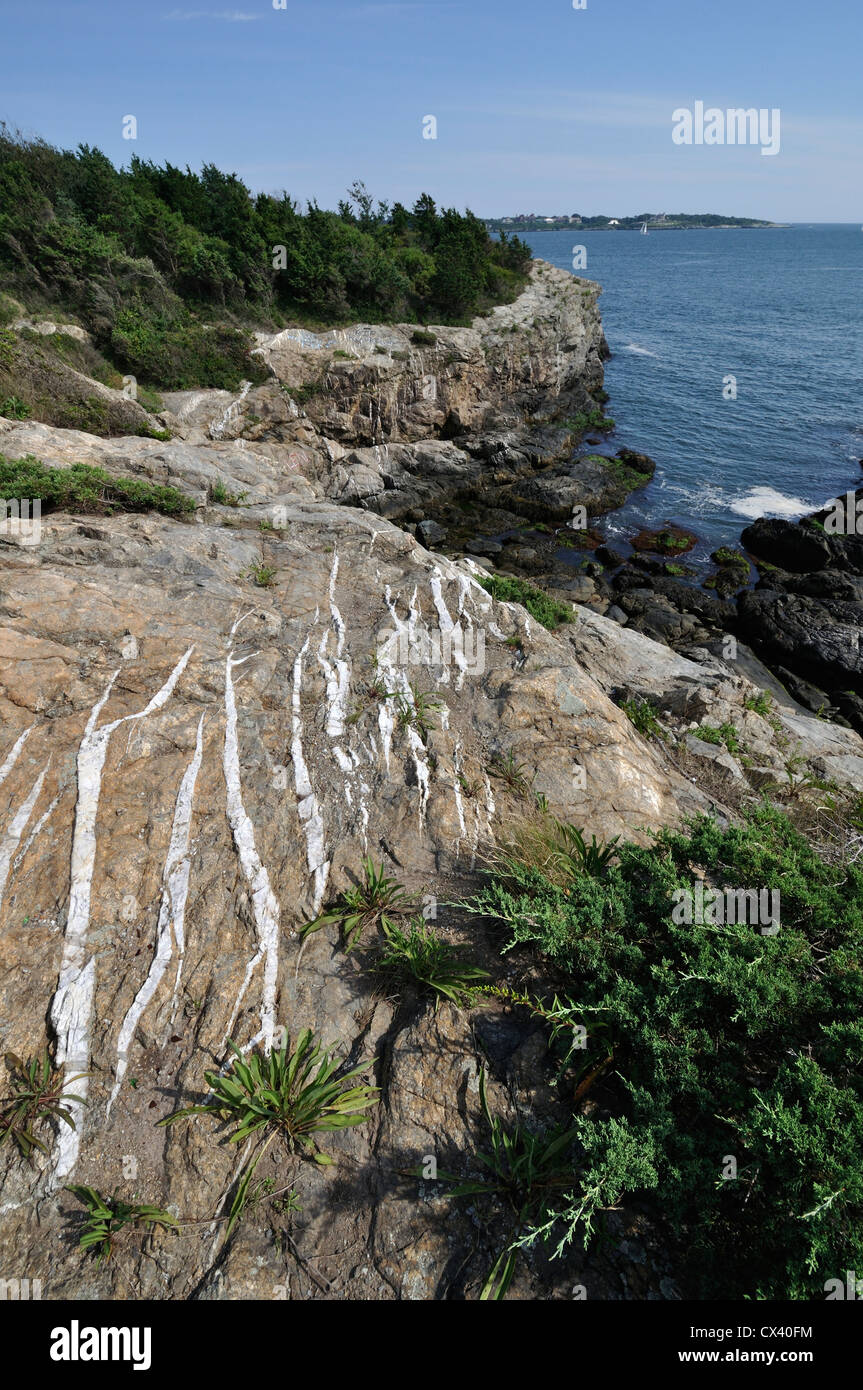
(614, 222)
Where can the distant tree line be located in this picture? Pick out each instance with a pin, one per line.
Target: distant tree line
(167, 267)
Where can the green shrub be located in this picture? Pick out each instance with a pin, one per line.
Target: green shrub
(642, 714)
(423, 338)
(178, 353)
(726, 733)
(724, 1042)
(550, 612)
(762, 703)
(85, 489)
(14, 409)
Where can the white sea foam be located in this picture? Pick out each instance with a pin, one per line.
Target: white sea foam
(766, 501)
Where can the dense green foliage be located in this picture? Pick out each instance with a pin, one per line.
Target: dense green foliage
(142, 253)
(85, 489)
(713, 1041)
(550, 612)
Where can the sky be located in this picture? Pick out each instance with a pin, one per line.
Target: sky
(539, 107)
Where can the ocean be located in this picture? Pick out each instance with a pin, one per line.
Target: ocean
(780, 310)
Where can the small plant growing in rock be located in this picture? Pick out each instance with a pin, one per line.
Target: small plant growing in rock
(575, 856)
(223, 498)
(263, 575)
(726, 733)
(38, 1094)
(416, 713)
(293, 1095)
(377, 902)
(373, 691)
(107, 1217)
(511, 773)
(13, 408)
(423, 338)
(528, 1171)
(762, 703)
(642, 715)
(419, 956)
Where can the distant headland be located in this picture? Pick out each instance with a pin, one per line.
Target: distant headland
(654, 221)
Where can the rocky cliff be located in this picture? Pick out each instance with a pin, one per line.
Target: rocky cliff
(207, 723)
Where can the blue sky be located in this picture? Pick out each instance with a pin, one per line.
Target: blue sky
(539, 107)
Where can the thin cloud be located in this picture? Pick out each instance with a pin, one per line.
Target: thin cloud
(228, 16)
(385, 10)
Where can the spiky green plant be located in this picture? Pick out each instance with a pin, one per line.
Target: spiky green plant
(221, 495)
(38, 1094)
(293, 1095)
(526, 1170)
(575, 856)
(422, 957)
(108, 1216)
(508, 771)
(378, 899)
(416, 712)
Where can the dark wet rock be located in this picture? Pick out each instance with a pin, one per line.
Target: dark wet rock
(481, 545)
(430, 533)
(810, 696)
(594, 482)
(612, 559)
(819, 639)
(788, 545)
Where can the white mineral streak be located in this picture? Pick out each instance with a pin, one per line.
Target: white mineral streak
(452, 634)
(265, 908)
(172, 912)
(12, 839)
(338, 672)
(231, 411)
(72, 1005)
(12, 757)
(456, 786)
(396, 680)
(365, 792)
(36, 831)
(307, 809)
(489, 805)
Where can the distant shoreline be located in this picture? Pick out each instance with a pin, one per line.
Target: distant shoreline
(628, 224)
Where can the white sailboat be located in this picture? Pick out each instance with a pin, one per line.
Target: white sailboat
(644, 231)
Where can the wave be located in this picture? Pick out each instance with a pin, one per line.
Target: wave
(766, 501)
(638, 350)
